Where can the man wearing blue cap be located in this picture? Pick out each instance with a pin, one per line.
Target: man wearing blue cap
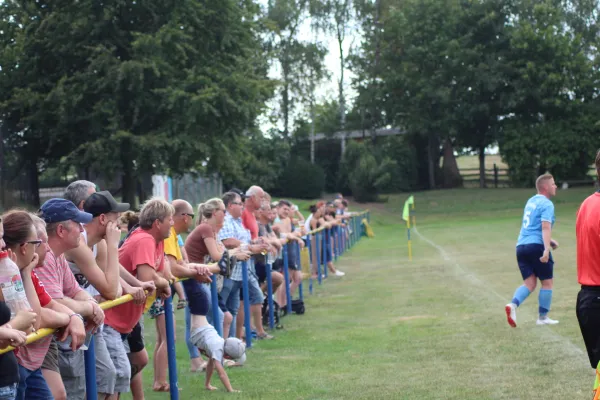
(63, 225)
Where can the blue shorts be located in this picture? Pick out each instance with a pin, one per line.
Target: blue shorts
(197, 298)
(528, 258)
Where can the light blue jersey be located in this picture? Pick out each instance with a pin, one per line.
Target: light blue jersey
(538, 208)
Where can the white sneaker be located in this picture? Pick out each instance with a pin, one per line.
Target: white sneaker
(511, 314)
(546, 321)
(339, 273)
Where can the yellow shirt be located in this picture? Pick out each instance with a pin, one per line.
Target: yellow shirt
(172, 246)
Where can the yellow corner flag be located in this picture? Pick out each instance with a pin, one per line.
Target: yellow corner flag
(406, 211)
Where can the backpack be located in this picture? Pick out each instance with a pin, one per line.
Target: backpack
(276, 313)
(298, 306)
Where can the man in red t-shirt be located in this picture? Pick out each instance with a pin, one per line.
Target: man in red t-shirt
(254, 197)
(143, 256)
(588, 273)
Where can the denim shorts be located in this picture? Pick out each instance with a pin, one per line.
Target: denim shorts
(8, 392)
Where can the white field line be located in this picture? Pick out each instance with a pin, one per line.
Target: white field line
(544, 331)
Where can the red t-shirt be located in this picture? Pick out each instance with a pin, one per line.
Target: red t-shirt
(249, 222)
(139, 249)
(587, 228)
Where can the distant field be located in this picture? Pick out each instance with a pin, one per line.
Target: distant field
(433, 328)
(472, 162)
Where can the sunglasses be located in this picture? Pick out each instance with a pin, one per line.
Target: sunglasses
(237, 203)
(36, 243)
(189, 215)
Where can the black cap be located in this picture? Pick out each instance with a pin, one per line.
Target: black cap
(239, 192)
(102, 203)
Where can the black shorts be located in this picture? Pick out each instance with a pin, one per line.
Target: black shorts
(261, 272)
(588, 315)
(196, 297)
(528, 258)
(135, 339)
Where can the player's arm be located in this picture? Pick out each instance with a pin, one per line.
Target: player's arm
(547, 237)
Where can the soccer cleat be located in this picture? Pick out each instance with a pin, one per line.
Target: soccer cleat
(511, 314)
(546, 321)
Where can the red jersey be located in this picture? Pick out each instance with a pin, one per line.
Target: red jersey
(588, 241)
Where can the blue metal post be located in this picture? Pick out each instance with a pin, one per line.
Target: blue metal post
(246, 296)
(327, 248)
(214, 306)
(299, 264)
(310, 263)
(319, 278)
(171, 355)
(270, 297)
(286, 279)
(90, 371)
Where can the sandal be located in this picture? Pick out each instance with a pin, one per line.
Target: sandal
(181, 304)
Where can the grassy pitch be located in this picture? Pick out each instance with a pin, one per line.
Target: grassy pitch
(433, 328)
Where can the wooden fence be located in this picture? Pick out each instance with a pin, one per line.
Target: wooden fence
(498, 177)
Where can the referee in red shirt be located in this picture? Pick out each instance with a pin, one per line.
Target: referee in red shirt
(588, 272)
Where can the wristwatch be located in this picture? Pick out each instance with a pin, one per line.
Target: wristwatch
(78, 315)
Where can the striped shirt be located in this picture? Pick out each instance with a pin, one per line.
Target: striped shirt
(57, 280)
(233, 228)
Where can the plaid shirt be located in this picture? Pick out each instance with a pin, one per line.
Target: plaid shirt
(234, 229)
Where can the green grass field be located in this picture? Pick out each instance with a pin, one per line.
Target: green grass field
(433, 328)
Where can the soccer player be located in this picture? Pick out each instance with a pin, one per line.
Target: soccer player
(588, 273)
(533, 252)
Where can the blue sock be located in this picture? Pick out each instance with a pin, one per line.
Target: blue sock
(520, 295)
(545, 300)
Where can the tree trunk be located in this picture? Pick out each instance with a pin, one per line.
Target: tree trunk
(451, 174)
(431, 159)
(127, 178)
(3, 186)
(33, 195)
(482, 183)
(286, 98)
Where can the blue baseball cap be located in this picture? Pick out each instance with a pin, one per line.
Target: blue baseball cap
(59, 210)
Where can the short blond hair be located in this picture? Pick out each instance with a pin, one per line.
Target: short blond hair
(541, 181)
(153, 209)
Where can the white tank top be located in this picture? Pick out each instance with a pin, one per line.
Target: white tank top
(81, 279)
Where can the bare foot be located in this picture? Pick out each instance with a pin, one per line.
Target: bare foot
(161, 387)
(211, 387)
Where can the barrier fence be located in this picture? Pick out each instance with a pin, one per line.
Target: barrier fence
(338, 239)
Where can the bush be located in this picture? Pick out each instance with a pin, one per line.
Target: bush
(302, 180)
(365, 176)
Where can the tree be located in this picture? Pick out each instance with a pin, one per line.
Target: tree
(125, 87)
(552, 75)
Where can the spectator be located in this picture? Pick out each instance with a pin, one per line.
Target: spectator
(142, 255)
(64, 229)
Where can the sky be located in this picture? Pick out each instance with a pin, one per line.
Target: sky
(327, 90)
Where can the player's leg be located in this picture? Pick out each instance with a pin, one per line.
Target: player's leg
(523, 291)
(545, 273)
(588, 316)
